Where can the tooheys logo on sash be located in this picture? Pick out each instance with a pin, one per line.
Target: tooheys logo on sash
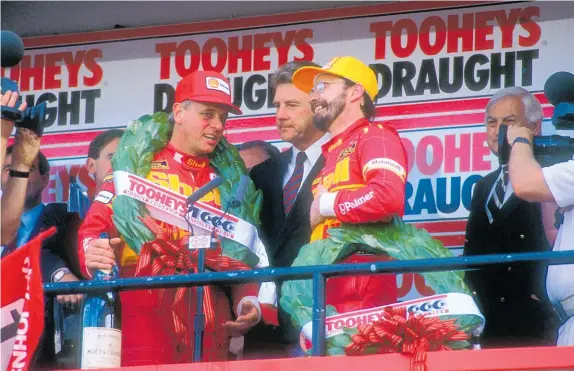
(453, 304)
(172, 208)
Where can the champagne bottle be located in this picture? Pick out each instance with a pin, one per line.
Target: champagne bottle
(101, 315)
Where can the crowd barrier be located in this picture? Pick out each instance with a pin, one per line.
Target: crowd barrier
(563, 358)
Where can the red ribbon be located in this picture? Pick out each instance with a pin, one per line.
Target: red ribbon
(412, 336)
(169, 253)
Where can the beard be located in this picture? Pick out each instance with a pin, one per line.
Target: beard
(331, 110)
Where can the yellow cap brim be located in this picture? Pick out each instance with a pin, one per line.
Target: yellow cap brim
(304, 77)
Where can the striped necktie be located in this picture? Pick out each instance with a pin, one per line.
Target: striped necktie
(292, 187)
(497, 199)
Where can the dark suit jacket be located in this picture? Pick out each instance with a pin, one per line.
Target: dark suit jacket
(59, 250)
(283, 236)
(512, 297)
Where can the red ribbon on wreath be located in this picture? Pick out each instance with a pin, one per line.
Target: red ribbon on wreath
(396, 332)
(169, 253)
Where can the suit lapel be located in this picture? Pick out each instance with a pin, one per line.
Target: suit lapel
(507, 209)
(301, 206)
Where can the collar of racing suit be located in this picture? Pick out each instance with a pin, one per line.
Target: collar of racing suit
(335, 141)
(189, 162)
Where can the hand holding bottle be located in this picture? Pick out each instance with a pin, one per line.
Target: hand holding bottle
(100, 253)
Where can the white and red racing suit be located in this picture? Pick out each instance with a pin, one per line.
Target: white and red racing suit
(148, 320)
(364, 176)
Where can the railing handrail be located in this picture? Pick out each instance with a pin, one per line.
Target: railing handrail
(307, 272)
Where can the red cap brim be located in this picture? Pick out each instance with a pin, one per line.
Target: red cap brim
(211, 99)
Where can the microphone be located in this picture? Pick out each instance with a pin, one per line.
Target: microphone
(205, 189)
(12, 48)
(240, 192)
(559, 88)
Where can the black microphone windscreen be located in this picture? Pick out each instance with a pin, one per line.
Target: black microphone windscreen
(559, 88)
(241, 188)
(12, 50)
(208, 187)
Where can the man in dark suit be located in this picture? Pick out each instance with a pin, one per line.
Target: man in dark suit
(285, 181)
(512, 297)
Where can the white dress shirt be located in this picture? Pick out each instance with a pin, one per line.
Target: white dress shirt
(313, 153)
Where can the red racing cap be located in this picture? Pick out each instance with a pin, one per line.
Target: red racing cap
(206, 87)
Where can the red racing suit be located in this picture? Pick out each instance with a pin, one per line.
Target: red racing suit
(147, 315)
(365, 177)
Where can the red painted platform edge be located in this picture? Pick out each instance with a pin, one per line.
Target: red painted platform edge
(540, 358)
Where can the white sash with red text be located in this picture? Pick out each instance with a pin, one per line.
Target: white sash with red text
(171, 207)
(453, 304)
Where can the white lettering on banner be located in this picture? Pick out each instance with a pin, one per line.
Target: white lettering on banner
(170, 207)
(101, 347)
(431, 306)
(348, 206)
(385, 164)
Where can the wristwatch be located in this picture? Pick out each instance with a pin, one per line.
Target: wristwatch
(19, 174)
(59, 274)
(521, 140)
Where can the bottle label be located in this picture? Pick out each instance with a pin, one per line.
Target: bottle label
(101, 347)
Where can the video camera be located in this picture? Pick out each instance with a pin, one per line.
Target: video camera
(32, 117)
(552, 149)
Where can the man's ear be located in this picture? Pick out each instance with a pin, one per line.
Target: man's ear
(177, 113)
(537, 129)
(357, 92)
(91, 165)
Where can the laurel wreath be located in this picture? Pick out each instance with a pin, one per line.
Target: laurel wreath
(145, 137)
(399, 240)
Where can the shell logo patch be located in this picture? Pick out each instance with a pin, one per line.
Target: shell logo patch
(215, 83)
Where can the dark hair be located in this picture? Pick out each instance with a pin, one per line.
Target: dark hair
(102, 140)
(368, 107)
(284, 74)
(43, 164)
(266, 147)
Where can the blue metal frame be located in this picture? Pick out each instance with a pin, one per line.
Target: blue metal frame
(319, 274)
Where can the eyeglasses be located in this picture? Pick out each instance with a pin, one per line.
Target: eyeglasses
(320, 86)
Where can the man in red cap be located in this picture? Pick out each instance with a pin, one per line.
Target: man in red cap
(202, 104)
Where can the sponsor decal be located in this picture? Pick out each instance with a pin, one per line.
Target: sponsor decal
(335, 145)
(330, 64)
(347, 151)
(214, 83)
(109, 178)
(104, 197)
(191, 162)
(385, 164)
(345, 207)
(159, 165)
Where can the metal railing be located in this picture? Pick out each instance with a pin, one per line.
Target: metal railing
(319, 274)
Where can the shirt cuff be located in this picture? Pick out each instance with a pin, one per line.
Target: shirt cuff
(254, 301)
(327, 204)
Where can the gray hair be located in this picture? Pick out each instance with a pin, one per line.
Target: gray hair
(532, 107)
(284, 74)
(186, 103)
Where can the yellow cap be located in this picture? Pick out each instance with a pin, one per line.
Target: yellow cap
(346, 67)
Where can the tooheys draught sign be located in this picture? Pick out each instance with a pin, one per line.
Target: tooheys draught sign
(435, 71)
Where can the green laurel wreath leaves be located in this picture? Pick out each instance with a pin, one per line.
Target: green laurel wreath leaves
(148, 135)
(401, 241)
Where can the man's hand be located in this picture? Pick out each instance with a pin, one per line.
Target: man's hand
(100, 253)
(26, 148)
(316, 217)
(246, 320)
(70, 300)
(9, 100)
(518, 131)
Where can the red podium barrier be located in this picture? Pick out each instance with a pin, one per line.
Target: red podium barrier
(507, 359)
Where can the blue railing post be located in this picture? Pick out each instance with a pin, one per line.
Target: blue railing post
(319, 315)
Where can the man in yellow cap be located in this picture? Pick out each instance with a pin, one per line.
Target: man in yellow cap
(363, 180)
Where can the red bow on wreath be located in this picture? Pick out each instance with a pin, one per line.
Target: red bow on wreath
(395, 332)
(169, 253)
